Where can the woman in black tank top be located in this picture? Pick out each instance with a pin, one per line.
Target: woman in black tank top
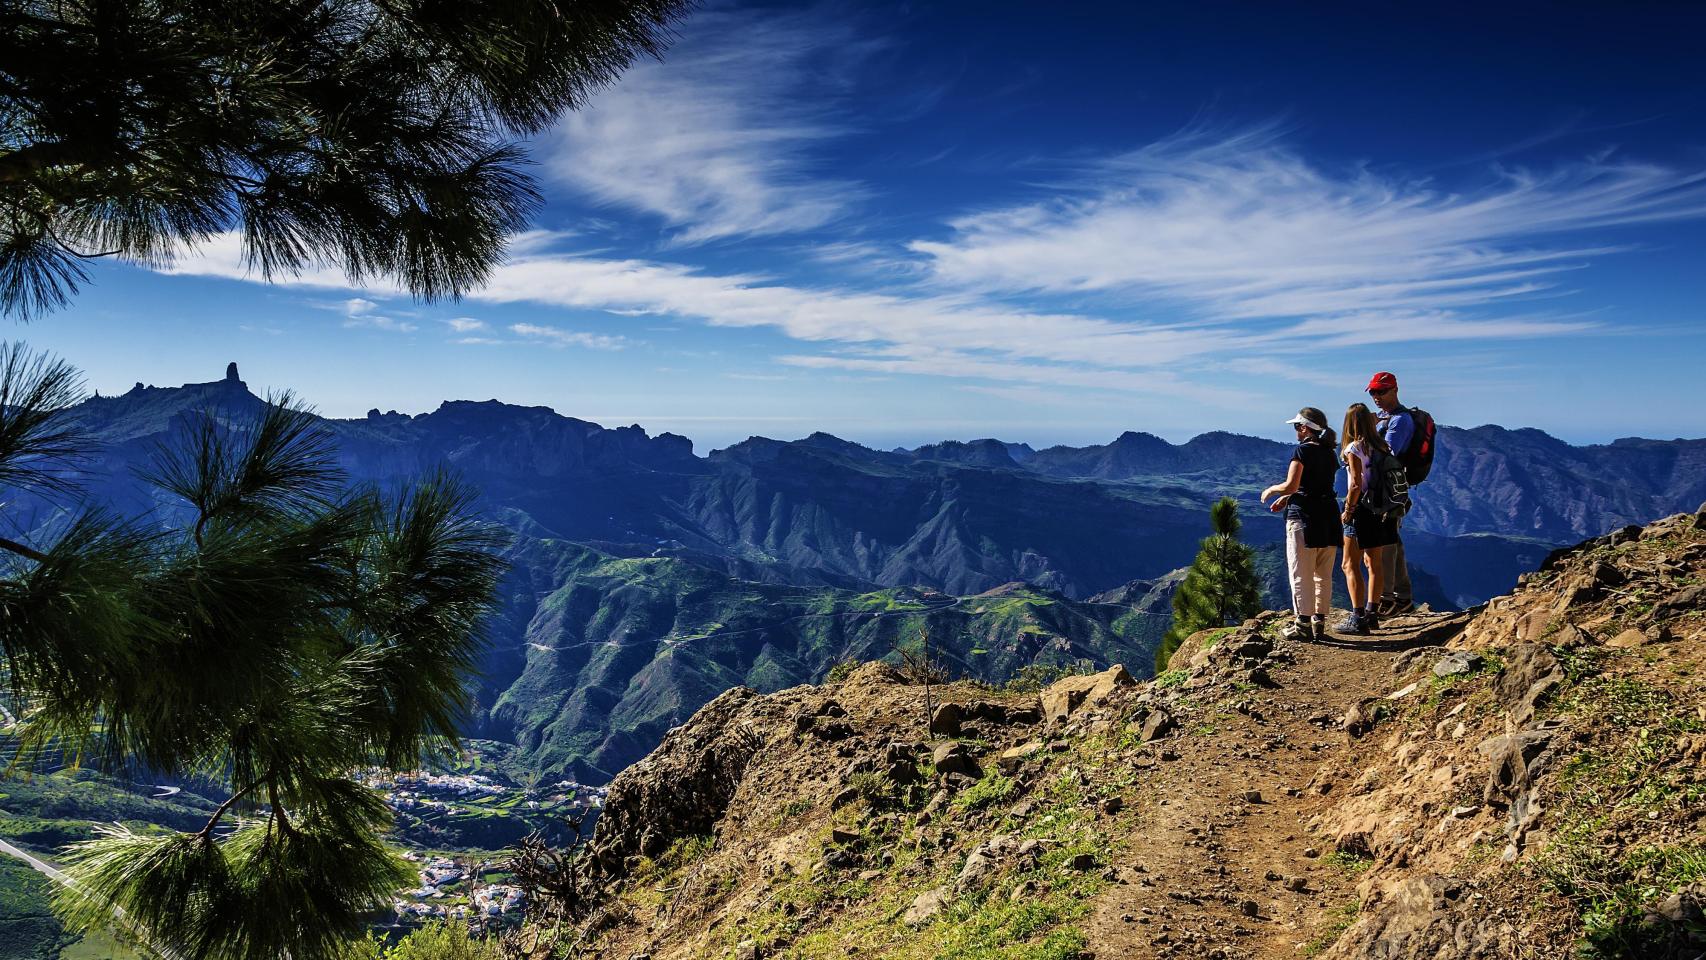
(1312, 527)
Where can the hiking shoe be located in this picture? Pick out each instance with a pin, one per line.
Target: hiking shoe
(1297, 630)
(1353, 624)
(1370, 621)
(1393, 607)
(1318, 627)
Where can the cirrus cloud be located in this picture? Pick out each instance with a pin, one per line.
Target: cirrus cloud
(718, 141)
(1244, 228)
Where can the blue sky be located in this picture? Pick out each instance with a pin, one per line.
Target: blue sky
(900, 223)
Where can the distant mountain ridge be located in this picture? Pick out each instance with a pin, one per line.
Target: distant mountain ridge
(831, 520)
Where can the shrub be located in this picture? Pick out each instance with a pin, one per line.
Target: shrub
(842, 669)
(438, 940)
(1033, 677)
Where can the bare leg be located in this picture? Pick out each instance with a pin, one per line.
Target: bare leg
(1376, 573)
(1353, 574)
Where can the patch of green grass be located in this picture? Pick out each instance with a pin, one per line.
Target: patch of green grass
(1581, 664)
(1171, 678)
(1635, 778)
(45, 833)
(874, 788)
(1349, 862)
(1439, 687)
(1339, 920)
(1217, 636)
(992, 789)
(1612, 890)
(99, 945)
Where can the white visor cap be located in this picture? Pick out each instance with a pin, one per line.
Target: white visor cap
(1300, 418)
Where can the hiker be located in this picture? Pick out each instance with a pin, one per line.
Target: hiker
(1366, 532)
(1398, 429)
(1312, 527)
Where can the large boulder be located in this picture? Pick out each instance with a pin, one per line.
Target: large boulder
(1065, 697)
(954, 758)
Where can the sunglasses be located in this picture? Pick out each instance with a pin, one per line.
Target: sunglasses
(1380, 393)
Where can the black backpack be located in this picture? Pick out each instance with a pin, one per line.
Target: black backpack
(1418, 459)
(1389, 495)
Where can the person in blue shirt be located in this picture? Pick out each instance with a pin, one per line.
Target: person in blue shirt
(1398, 429)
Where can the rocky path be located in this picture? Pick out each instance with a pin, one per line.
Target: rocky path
(1224, 866)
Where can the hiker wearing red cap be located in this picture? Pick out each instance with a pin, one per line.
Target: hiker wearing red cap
(1398, 429)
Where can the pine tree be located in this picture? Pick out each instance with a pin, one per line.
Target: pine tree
(379, 136)
(1220, 587)
(291, 634)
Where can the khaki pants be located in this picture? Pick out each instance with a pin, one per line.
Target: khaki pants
(1311, 570)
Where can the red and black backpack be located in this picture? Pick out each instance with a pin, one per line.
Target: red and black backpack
(1418, 458)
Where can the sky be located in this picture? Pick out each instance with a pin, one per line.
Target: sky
(902, 223)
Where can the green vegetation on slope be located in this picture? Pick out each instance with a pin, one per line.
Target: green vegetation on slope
(28, 928)
(627, 647)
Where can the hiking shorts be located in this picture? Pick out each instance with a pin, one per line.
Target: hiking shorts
(1371, 530)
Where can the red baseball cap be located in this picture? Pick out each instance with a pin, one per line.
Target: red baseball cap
(1382, 381)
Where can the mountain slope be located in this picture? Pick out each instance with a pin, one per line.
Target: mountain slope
(624, 648)
(1522, 781)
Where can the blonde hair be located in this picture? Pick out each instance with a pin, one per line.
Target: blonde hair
(1360, 424)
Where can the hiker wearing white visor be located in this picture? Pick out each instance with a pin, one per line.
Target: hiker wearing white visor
(1312, 524)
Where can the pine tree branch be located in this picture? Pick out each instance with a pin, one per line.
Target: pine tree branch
(277, 807)
(22, 550)
(213, 821)
(27, 161)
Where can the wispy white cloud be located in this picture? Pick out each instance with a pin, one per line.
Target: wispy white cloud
(358, 312)
(962, 365)
(465, 324)
(1244, 228)
(557, 337)
(389, 324)
(718, 139)
(1377, 327)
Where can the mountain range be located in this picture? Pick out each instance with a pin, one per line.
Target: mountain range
(646, 579)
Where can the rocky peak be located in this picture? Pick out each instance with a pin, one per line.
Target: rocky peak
(989, 453)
